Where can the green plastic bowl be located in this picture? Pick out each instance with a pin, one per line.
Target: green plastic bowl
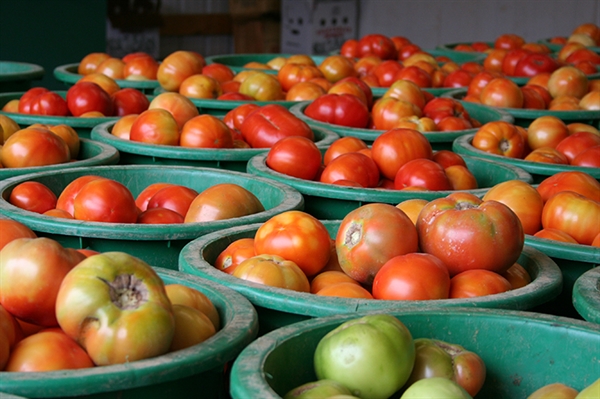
(538, 170)
(17, 76)
(524, 117)
(200, 368)
(278, 307)
(573, 260)
(438, 140)
(522, 351)
(586, 295)
(231, 159)
(83, 126)
(330, 201)
(237, 61)
(91, 153)
(156, 244)
(69, 76)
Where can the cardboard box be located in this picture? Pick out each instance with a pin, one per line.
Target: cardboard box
(259, 35)
(253, 7)
(317, 26)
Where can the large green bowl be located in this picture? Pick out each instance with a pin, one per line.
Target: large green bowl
(200, 368)
(68, 75)
(18, 76)
(586, 295)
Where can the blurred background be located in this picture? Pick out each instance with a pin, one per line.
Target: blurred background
(56, 32)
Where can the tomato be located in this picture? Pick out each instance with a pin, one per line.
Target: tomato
(122, 127)
(459, 78)
(386, 72)
(372, 356)
(200, 86)
(341, 146)
(33, 196)
(509, 41)
(177, 66)
(422, 172)
(479, 81)
(235, 253)
(129, 101)
(141, 201)
(273, 271)
(410, 277)
(468, 233)
(108, 84)
(85, 97)
(345, 290)
(70, 136)
(579, 182)
(370, 236)
(67, 196)
(512, 59)
(180, 107)
(295, 236)
(268, 124)
(318, 389)
(191, 327)
(576, 143)
(412, 207)
(11, 230)
(295, 156)
(48, 350)
(159, 216)
(262, 87)
(236, 116)
(436, 358)
(408, 50)
(501, 138)
(122, 294)
(574, 214)
(378, 45)
(339, 109)
(155, 126)
(89, 63)
(172, 196)
(141, 67)
(394, 148)
(28, 102)
(221, 72)
(517, 276)
(11, 333)
(291, 74)
(34, 147)
(31, 271)
(304, 91)
(408, 91)
(532, 99)
(448, 158)
(435, 387)
(330, 277)
(206, 131)
(364, 65)
(350, 48)
(183, 295)
(557, 389)
(222, 201)
(477, 282)
(355, 88)
(9, 127)
(352, 166)
(589, 158)
(546, 131)
(441, 107)
(111, 67)
(502, 92)
(50, 103)
(105, 200)
(535, 63)
(568, 81)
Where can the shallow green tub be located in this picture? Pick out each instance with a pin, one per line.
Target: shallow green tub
(586, 295)
(17, 76)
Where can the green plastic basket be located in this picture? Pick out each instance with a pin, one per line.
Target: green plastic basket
(573, 260)
(438, 140)
(524, 117)
(200, 368)
(156, 244)
(538, 170)
(330, 201)
(522, 351)
(91, 153)
(17, 76)
(586, 295)
(237, 61)
(278, 307)
(83, 126)
(69, 76)
(231, 159)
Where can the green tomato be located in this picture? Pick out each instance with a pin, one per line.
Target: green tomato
(317, 389)
(373, 356)
(436, 387)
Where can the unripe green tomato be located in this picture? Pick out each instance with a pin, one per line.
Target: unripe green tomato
(317, 389)
(436, 387)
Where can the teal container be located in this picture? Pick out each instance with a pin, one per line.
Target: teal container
(17, 76)
(586, 295)
(158, 245)
(438, 140)
(152, 154)
(330, 201)
(68, 75)
(237, 61)
(83, 126)
(278, 307)
(573, 260)
(91, 153)
(538, 170)
(200, 368)
(524, 117)
(522, 351)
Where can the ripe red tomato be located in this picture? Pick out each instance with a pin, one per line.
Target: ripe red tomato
(546, 131)
(174, 197)
(155, 126)
(34, 147)
(354, 167)
(68, 194)
(478, 282)
(350, 49)
(589, 158)
(85, 97)
(501, 138)
(295, 156)
(141, 201)
(159, 216)
(509, 41)
(140, 67)
(223, 201)
(236, 116)
(11, 230)
(220, 72)
(33, 196)
(235, 253)
(396, 147)
(574, 214)
(29, 99)
(512, 58)
(535, 63)
(370, 236)
(502, 92)
(290, 74)
(448, 158)
(179, 106)
(206, 131)
(50, 103)
(341, 146)
(386, 72)
(268, 124)
(129, 101)
(579, 182)
(412, 277)
(378, 45)
(576, 143)
(459, 78)
(424, 173)
(339, 109)
(105, 200)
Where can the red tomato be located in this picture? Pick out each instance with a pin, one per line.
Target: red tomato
(140, 67)
(236, 116)
(386, 72)
(155, 126)
(352, 166)
(479, 81)
(460, 78)
(532, 99)
(159, 216)
(265, 126)
(501, 138)
(235, 253)
(105, 200)
(579, 182)
(460, 177)
(509, 41)
(477, 282)
(547, 155)
(29, 99)
(50, 103)
(34, 147)
(424, 173)
(378, 45)
(33, 196)
(442, 107)
(370, 236)
(396, 147)
(220, 72)
(555, 234)
(512, 58)
(502, 92)
(412, 277)
(234, 96)
(174, 197)
(206, 131)
(11, 230)
(546, 131)
(535, 63)
(466, 233)
(85, 97)
(89, 63)
(339, 109)
(295, 236)
(129, 101)
(290, 74)
(67, 196)
(342, 146)
(589, 158)
(568, 81)
(295, 156)
(576, 143)
(574, 214)
(180, 107)
(350, 49)
(223, 201)
(448, 158)
(200, 86)
(141, 201)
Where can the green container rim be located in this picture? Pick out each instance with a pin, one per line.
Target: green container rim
(257, 166)
(236, 62)
(546, 283)
(73, 121)
(68, 74)
(105, 155)
(433, 137)
(248, 378)
(563, 250)
(459, 57)
(17, 71)
(101, 133)
(586, 295)
(292, 199)
(240, 327)
(462, 145)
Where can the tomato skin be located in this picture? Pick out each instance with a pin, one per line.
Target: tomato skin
(412, 277)
(155, 126)
(33, 196)
(341, 146)
(236, 116)
(339, 109)
(206, 131)
(535, 63)
(105, 200)
(159, 216)
(235, 253)
(394, 148)
(222, 201)
(178, 66)
(517, 276)
(370, 236)
(67, 196)
(180, 294)
(268, 124)
(574, 214)
(11, 229)
(174, 197)
(477, 282)
(330, 277)
(295, 236)
(51, 103)
(468, 233)
(354, 167)
(501, 138)
(422, 173)
(34, 147)
(576, 181)
(129, 101)
(274, 271)
(378, 45)
(295, 156)
(85, 97)
(291, 73)
(589, 158)
(502, 92)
